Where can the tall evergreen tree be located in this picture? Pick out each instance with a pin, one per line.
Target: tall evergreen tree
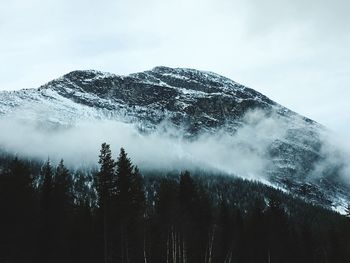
(124, 183)
(136, 226)
(63, 208)
(130, 200)
(187, 227)
(63, 183)
(278, 232)
(47, 214)
(106, 176)
(105, 188)
(124, 202)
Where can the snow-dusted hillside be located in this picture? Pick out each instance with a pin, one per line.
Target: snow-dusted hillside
(195, 103)
(198, 100)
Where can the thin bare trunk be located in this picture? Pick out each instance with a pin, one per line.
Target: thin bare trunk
(167, 247)
(144, 248)
(105, 236)
(178, 247)
(175, 248)
(181, 260)
(228, 258)
(127, 247)
(183, 251)
(211, 246)
(205, 255)
(173, 245)
(122, 242)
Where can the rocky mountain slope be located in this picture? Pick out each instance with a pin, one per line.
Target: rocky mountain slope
(195, 103)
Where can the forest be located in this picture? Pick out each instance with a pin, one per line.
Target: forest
(117, 213)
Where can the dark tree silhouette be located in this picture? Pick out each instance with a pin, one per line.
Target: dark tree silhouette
(130, 201)
(117, 214)
(47, 214)
(106, 190)
(63, 202)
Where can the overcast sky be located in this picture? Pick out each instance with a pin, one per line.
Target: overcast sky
(294, 51)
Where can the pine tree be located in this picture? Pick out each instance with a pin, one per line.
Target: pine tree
(187, 192)
(278, 232)
(136, 226)
(188, 228)
(256, 230)
(131, 208)
(46, 187)
(84, 237)
(63, 205)
(105, 188)
(47, 215)
(124, 182)
(124, 201)
(63, 186)
(106, 176)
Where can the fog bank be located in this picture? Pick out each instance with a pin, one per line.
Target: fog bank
(244, 153)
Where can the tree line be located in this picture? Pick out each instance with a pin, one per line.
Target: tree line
(116, 214)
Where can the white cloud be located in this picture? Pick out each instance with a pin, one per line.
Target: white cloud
(244, 153)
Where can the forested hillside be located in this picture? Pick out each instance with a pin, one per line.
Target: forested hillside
(117, 213)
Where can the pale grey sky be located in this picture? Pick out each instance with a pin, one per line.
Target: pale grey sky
(294, 51)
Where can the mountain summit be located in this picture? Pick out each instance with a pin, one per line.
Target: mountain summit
(196, 103)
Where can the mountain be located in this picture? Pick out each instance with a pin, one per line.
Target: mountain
(195, 103)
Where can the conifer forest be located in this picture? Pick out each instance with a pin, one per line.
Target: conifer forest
(118, 213)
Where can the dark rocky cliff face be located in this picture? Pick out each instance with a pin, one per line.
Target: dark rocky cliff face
(195, 99)
(198, 103)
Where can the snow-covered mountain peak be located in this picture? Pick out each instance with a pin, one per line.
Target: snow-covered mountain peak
(203, 81)
(194, 102)
(88, 75)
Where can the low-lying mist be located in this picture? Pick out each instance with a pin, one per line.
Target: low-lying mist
(244, 153)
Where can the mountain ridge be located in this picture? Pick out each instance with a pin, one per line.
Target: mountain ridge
(197, 102)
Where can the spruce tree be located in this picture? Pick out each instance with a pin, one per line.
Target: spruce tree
(47, 215)
(63, 209)
(105, 188)
(187, 191)
(124, 183)
(187, 227)
(106, 180)
(136, 227)
(63, 187)
(46, 197)
(131, 207)
(124, 202)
